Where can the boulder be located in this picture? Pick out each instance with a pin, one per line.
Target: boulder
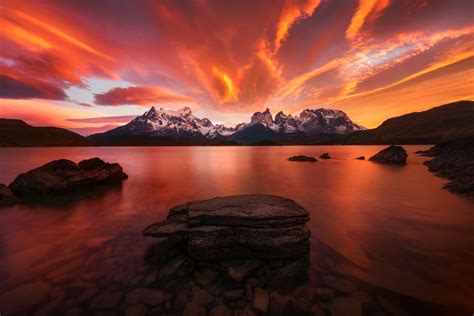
(302, 158)
(63, 176)
(6, 196)
(238, 227)
(361, 158)
(454, 160)
(394, 155)
(325, 156)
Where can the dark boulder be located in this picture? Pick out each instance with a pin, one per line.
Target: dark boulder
(454, 160)
(6, 196)
(63, 176)
(394, 155)
(325, 156)
(361, 158)
(303, 158)
(238, 227)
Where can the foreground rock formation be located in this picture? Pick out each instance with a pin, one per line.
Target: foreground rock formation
(303, 158)
(238, 227)
(6, 196)
(63, 176)
(454, 160)
(394, 155)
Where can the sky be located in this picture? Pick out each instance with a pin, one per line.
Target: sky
(91, 65)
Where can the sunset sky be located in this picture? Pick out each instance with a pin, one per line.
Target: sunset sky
(90, 65)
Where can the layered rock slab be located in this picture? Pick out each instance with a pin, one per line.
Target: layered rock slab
(236, 227)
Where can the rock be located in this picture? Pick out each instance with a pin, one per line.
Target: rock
(317, 311)
(49, 307)
(202, 298)
(339, 284)
(242, 271)
(346, 307)
(24, 297)
(394, 155)
(194, 309)
(76, 311)
(7, 197)
(220, 310)
(260, 300)
(106, 300)
(136, 310)
(361, 158)
(233, 295)
(454, 160)
(278, 304)
(286, 278)
(250, 284)
(205, 277)
(145, 296)
(325, 156)
(324, 293)
(63, 176)
(302, 158)
(239, 227)
(392, 308)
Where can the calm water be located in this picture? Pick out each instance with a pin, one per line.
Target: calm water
(394, 226)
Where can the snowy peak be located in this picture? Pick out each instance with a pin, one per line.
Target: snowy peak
(262, 117)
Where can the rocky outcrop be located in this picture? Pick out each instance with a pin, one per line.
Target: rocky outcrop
(325, 156)
(6, 196)
(393, 155)
(454, 160)
(238, 227)
(63, 176)
(303, 158)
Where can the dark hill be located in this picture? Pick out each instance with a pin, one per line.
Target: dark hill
(442, 123)
(16, 133)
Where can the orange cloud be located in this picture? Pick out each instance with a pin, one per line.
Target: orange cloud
(140, 95)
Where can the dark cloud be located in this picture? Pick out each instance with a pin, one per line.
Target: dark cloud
(11, 88)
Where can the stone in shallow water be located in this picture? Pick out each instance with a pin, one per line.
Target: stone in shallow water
(261, 299)
(238, 227)
(145, 296)
(220, 310)
(6, 196)
(136, 310)
(325, 156)
(394, 155)
(23, 297)
(106, 300)
(302, 158)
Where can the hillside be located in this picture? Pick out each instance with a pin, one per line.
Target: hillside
(442, 123)
(16, 133)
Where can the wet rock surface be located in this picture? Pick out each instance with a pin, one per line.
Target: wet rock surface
(393, 155)
(361, 158)
(454, 160)
(64, 176)
(303, 158)
(238, 227)
(7, 197)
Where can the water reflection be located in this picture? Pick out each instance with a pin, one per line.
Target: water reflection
(388, 228)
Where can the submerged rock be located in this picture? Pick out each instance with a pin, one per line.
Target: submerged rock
(6, 196)
(361, 158)
(62, 176)
(454, 160)
(238, 227)
(303, 158)
(325, 156)
(394, 155)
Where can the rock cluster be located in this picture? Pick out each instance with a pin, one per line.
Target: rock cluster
(63, 176)
(394, 155)
(238, 227)
(303, 158)
(454, 160)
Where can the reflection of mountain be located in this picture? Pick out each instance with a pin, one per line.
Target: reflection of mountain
(446, 122)
(184, 127)
(16, 133)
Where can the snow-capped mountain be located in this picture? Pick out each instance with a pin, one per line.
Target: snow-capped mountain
(183, 124)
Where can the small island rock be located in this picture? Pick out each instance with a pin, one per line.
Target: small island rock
(394, 155)
(6, 196)
(62, 176)
(238, 227)
(325, 156)
(361, 158)
(303, 158)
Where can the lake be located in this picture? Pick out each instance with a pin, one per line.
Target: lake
(391, 228)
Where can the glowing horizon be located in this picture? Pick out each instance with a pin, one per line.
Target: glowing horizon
(89, 66)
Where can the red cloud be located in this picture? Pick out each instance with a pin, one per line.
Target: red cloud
(11, 88)
(140, 96)
(104, 119)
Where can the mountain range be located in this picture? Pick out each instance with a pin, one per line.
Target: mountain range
(311, 126)
(183, 124)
